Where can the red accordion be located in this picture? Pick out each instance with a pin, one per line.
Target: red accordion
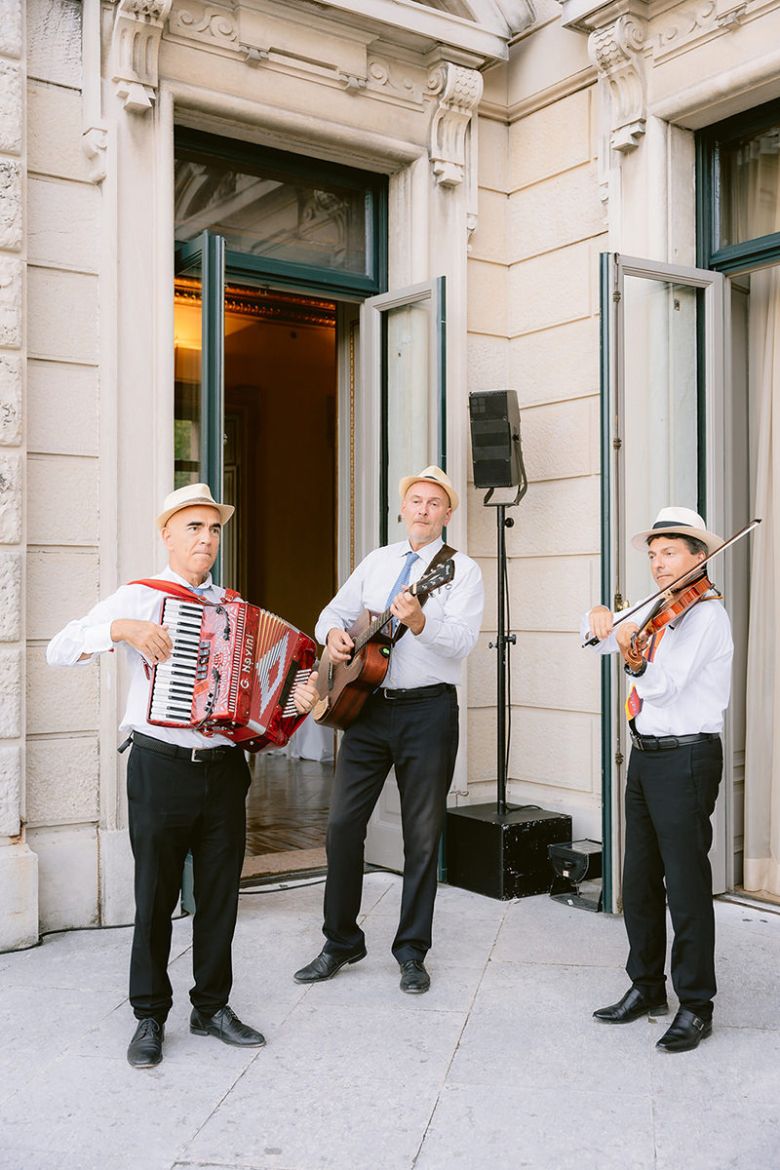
(232, 671)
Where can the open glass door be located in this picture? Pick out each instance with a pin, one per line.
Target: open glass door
(404, 409)
(199, 338)
(662, 435)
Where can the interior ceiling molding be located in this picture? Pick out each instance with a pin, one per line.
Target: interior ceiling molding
(263, 304)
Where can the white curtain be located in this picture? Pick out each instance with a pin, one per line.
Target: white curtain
(762, 748)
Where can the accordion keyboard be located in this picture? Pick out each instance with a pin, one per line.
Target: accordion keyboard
(174, 684)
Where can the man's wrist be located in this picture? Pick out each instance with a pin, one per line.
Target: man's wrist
(636, 670)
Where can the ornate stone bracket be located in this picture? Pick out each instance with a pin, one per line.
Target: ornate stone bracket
(94, 142)
(135, 48)
(457, 91)
(616, 51)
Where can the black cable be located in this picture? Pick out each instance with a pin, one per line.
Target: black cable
(280, 888)
(272, 888)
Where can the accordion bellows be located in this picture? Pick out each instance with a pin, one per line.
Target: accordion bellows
(232, 672)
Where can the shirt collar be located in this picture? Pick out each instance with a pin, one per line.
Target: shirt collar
(169, 575)
(427, 552)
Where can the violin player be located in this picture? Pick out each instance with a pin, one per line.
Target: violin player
(679, 677)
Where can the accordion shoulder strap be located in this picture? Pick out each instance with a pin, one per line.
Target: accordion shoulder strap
(175, 590)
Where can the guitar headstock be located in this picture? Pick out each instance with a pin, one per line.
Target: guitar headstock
(434, 578)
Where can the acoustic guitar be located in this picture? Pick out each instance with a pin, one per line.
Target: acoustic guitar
(345, 686)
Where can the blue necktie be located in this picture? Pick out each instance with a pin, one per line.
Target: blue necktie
(403, 579)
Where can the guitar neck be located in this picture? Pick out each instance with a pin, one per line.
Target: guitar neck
(418, 589)
(372, 630)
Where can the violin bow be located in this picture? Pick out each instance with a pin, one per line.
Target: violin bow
(593, 641)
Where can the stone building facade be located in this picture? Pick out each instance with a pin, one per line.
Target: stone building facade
(520, 140)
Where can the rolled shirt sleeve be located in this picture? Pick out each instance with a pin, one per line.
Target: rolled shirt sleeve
(454, 634)
(91, 634)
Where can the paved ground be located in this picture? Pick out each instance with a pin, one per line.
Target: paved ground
(499, 1066)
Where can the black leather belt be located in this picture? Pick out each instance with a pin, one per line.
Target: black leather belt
(405, 695)
(194, 755)
(667, 743)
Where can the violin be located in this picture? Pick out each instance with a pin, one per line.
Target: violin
(666, 594)
(669, 607)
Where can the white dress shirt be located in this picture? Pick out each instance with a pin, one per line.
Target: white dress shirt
(686, 688)
(92, 635)
(453, 614)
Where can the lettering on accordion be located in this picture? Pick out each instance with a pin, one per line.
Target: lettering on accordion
(232, 672)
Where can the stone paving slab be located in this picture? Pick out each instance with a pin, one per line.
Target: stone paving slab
(500, 1065)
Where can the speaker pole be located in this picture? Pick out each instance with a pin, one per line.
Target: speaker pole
(501, 645)
(502, 642)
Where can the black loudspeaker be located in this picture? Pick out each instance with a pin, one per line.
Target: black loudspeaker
(503, 855)
(495, 439)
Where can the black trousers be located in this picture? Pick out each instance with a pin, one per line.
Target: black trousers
(420, 738)
(176, 806)
(670, 797)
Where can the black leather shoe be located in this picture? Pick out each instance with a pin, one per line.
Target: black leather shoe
(686, 1032)
(325, 966)
(226, 1026)
(631, 1007)
(145, 1049)
(414, 978)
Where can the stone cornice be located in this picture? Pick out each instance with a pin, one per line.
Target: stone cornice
(587, 15)
(418, 20)
(539, 100)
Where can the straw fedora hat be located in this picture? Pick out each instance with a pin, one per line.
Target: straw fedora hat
(430, 474)
(683, 522)
(189, 496)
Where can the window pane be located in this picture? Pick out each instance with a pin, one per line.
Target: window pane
(275, 215)
(661, 408)
(750, 187)
(187, 325)
(409, 418)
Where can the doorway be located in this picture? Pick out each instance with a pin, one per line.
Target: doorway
(754, 312)
(280, 549)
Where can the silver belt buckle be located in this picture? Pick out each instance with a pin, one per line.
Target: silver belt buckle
(193, 758)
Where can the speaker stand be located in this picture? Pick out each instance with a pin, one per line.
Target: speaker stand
(495, 849)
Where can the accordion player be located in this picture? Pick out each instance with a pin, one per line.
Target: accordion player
(232, 671)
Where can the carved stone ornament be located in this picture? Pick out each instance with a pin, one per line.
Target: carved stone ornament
(457, 91)
(94, 142)
(204, 22)
(135, 49)
(616, 51)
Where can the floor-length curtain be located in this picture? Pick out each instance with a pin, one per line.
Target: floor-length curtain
(762, 748)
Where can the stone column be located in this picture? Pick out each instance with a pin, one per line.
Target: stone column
(18, 864)
(455, 86)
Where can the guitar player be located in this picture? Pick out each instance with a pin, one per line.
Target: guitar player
(410, 723)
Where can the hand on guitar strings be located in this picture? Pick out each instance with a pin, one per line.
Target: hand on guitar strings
(340, 645)
(408, 610)
(305, 695)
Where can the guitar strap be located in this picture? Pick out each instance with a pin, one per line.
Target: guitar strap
(445, 553)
